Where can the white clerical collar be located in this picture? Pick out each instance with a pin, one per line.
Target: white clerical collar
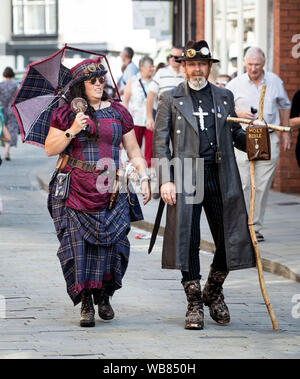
(192, 86)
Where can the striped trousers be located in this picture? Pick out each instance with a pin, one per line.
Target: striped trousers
(213, 207)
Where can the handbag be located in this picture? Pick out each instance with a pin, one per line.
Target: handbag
(145, 93)
(62, 185)
(63, 180)
(258, 143)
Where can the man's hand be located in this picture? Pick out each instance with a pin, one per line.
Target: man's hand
(244, 114)
(168, 193)
(286, 141)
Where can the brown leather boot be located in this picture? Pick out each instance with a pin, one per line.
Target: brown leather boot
(213, 296)
(101, 298)
(87, 309)
(194, 318)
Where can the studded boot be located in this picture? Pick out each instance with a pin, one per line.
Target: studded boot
(87, 309)
(213, 296)
(194, 318)
(101, 297)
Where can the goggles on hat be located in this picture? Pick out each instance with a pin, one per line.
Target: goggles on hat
(93, 79)
(93, 67)
(203, 52)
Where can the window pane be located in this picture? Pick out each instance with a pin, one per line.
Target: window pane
(18, 17)
(34, 18)
(51, 18)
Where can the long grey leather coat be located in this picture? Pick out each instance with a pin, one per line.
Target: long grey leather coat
(176, 123)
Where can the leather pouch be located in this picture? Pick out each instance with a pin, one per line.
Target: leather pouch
(62, 185)
(258, 143)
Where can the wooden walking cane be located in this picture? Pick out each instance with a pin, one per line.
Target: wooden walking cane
(259, 122)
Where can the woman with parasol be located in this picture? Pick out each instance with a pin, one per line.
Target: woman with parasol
(94, 248)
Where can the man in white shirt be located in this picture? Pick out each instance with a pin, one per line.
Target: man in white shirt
(130, 70)
(246, 89)
(165, 79)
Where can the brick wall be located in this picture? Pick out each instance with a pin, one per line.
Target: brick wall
(287, 24)
(200, 17)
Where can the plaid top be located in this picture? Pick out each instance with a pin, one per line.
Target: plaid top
(89, 191)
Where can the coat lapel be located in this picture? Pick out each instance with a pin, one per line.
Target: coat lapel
(183, 102)
(221, 107)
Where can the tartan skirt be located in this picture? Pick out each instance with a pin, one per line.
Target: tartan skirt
(93, 246)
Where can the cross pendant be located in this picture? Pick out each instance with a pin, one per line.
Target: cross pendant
(201, 115)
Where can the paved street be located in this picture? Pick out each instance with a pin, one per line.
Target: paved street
(41, 322)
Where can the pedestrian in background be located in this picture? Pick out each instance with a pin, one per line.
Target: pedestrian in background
(295, 121)
(165, 79)
(130, 69)
(8, 90)
(135, 97)
(246, 89)
(159, 66)
(94, 248)
(222, 80)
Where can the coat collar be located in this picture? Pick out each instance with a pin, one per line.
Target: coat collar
(183, 102)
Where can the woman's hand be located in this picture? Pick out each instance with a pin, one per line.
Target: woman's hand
(146, 191)
(79, 123)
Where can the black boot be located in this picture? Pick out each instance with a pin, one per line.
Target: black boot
(194, 318)
(101, 297)
(213, 296)
(87, 309)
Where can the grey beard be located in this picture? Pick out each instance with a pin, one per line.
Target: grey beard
(197, 83)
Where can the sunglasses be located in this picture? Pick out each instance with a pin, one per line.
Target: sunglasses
(94, 79)
(173, 56)
(221, 82)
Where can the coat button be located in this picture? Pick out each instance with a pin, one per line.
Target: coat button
(178, 131)
(225, 102)
(179, 117)
(181, 103)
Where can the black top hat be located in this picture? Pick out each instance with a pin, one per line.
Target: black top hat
(196, 51)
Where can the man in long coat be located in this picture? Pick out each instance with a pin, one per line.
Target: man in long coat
(192, 135)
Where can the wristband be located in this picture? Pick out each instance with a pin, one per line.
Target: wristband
(144, 177)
